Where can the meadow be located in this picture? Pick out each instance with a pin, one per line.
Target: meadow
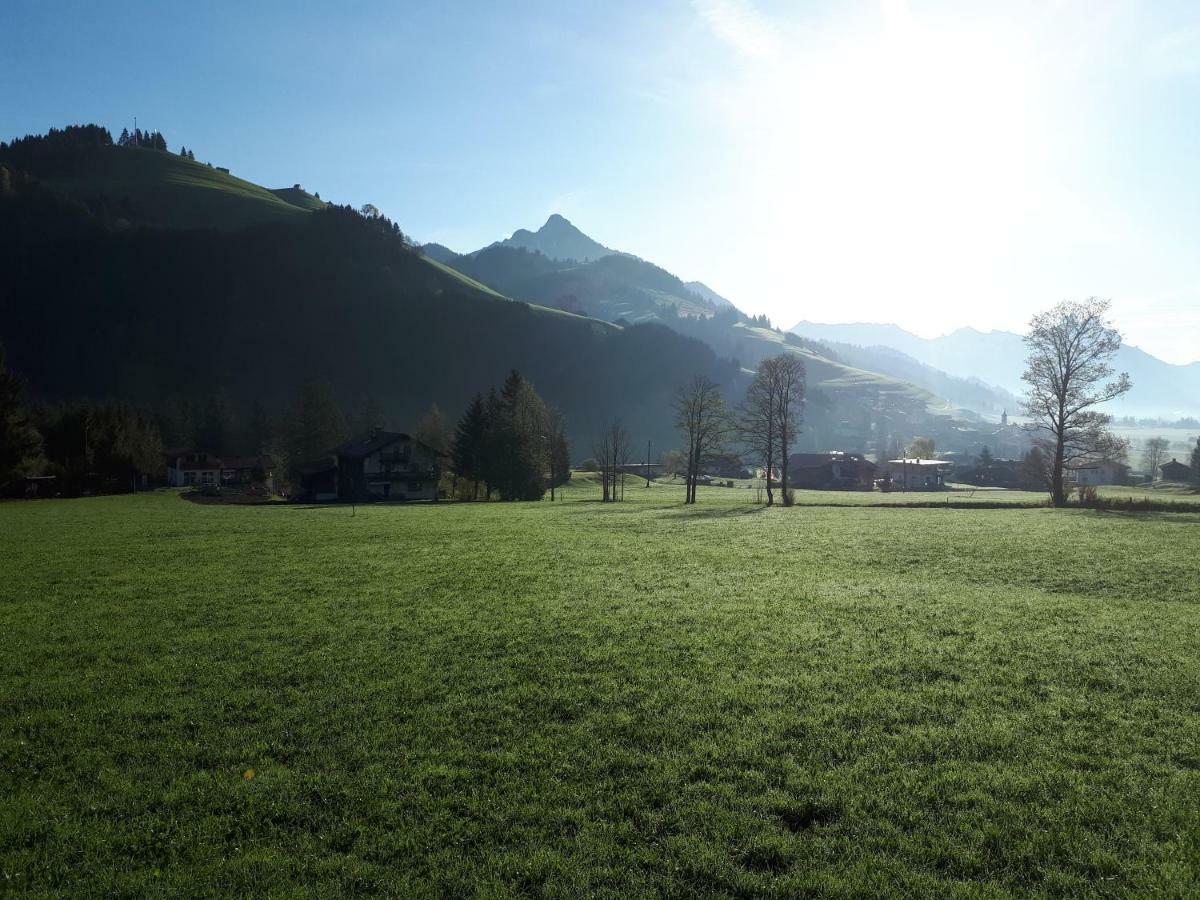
(577, 699)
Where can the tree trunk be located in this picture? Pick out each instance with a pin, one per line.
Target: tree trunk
(770, 467)
(1058, 487)
(783, 467)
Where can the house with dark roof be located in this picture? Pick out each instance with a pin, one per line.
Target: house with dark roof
(1175, 471)
(835, 470)
(387, 465)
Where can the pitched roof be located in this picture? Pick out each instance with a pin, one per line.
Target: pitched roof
(361, 447)
(247, 462)
(821, 459)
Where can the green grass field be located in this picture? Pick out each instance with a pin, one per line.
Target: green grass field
(578, 699)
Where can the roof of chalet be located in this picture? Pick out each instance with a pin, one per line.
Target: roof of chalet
(920, 462)
(211, 464)
(821, 459)
(179, 459)
(1097, 464)
(247, 462)
(362, 447)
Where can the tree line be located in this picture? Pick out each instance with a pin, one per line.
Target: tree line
(510, 443)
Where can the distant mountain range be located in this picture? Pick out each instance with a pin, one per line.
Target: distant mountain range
(1160, 389)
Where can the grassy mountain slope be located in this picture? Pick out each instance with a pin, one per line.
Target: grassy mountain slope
(299, 197)
(277, 295)
(151, 187)
(623, 287)
(610, 288)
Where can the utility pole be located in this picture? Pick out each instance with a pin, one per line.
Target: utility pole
(647, 462)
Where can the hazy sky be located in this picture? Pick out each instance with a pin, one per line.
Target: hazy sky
(929, 164)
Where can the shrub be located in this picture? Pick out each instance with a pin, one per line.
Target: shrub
(589, 465)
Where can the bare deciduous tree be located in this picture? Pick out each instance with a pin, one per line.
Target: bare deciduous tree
(789, 403)
(759, 423)
(771, 416)
(703, 418)
(1067, 375)
(558, 455)
(612, 454)
(1154, 453)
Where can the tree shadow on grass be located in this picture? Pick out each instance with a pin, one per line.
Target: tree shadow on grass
(711, 512)
(1180, 517)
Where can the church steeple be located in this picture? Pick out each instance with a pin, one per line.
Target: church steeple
(1004, 419)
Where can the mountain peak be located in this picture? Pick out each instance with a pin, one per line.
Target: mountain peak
(559, 239)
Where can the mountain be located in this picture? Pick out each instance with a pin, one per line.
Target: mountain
(703, 290)
(175, 285)
(970, 393)
(558, 239)
(440, 253)
(699, 287)
(614, 287)
(998, 358)
(846, 397)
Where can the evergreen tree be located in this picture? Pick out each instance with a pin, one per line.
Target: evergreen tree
(521, 441)
(214, 431)
(20, 442)
(432, 431)
(183, 151)
(1196, 461)
(259, 433)
(191, 156)
(466, 453)
(124, 139)
(494, 453)
(368, 417)
(315, 425)
(105, 446)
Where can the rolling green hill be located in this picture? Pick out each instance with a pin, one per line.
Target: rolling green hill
(299, 197)
(151, 187)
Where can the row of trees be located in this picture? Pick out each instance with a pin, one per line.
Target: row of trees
(767, 422)
(511, 443)
(155, 140)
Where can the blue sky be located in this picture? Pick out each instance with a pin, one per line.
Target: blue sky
(930, 164)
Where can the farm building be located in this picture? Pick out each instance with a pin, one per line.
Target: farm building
(1105, 471)
(190, 467)
(1175, 471)
(832, 471)
(916, 474)
(387, 465)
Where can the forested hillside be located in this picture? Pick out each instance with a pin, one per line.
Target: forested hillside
(92, 306)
